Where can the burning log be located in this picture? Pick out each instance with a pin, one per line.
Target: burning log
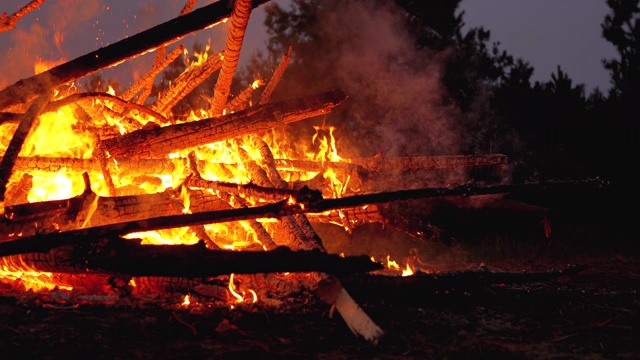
(124, 166)
(357, 215)
(161, 166)
(414, 163)
(235, 201)
(31, 219)
(28, 121)
(299, 231)
(19, 192)
(9, 22)
(159, 142)
(365, 167)
(190, 261)
(239, 20)
(46, 242)
(119, 256)
(26, 89)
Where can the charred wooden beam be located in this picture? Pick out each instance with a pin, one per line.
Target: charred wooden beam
(158, 142)
(129, 257)
(165, 33)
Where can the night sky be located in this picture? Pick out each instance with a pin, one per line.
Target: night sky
(546, 33)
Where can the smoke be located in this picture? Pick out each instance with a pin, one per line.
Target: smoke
(397, 98)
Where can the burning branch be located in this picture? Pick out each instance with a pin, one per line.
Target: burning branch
(54, 105)
(159, 62)
(9, 22)
(239, 102)
(146, 81)
(239, 21)
(185, 83)
(26, 89)
(275, 78)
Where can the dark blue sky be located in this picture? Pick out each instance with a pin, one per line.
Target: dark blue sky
(546, 33)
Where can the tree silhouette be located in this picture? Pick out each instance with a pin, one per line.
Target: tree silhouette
(621, 27)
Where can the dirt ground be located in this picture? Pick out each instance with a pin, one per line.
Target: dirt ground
(594, 314)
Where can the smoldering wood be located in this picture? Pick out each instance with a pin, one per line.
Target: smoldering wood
(422, 287)
(26, 89)
(160, 141)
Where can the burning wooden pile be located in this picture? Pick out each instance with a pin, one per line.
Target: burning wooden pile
(104, 191)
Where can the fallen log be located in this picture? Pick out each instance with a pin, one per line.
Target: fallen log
(160, 141)
(26, 89)
(46, 242)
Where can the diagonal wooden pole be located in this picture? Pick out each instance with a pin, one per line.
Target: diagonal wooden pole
(27, 89)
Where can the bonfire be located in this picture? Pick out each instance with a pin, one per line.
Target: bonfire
(107, 195)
